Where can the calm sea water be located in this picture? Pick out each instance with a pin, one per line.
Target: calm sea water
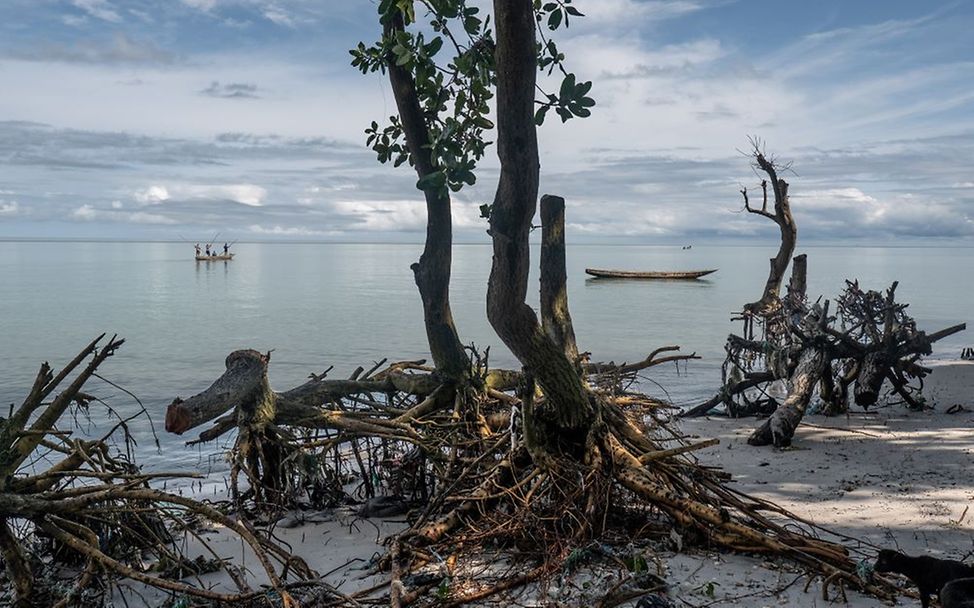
(346, 305)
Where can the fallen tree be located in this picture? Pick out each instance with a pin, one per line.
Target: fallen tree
(99, 518)
(870, 340)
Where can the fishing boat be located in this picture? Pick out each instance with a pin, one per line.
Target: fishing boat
(631, 274)
(215, 258)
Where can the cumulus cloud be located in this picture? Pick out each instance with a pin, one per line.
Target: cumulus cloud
(231, 90)
(250, 195)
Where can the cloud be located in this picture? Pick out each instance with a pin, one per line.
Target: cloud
(245, 194)
(289, 231)
(9, 208)
(231, 90)
(100, 9)
(279, 16)
(89, 213)
(121, 50)
(202, 5)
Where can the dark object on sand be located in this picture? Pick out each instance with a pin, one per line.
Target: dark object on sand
(929, 574)
(958, 593)
(383, 506)
(631, 274)
(654, 600)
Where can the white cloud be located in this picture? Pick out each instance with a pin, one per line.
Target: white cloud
(151, 195)
(88, 213)
(383, 215)
(100, 9)
(289, 231)
(245, 194)
(276, 14)
(85, 212)
(203, 5)
(9, 208)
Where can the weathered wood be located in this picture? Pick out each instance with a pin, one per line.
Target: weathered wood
(556, 320)
(780, 427)
(240, 384)
(786, 225)
(244, 386)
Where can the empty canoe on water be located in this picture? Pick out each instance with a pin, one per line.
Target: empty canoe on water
(631, 274)
(215, 258)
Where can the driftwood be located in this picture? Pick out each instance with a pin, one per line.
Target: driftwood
(870, 340)
(96, 508)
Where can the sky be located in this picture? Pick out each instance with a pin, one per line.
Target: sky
(141, 119)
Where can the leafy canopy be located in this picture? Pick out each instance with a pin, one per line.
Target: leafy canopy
(449, 52)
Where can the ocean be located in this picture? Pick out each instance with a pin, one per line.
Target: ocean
(318, 305)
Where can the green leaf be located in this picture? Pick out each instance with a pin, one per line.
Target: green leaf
(567, 88)
(432, 181)
(554, 20)
(540, 114)
(574, 11)
(433, 47)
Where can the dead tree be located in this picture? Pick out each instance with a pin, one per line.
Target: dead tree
(96, 508)
(780, 215)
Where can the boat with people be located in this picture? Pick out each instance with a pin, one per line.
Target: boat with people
(653, 274)
(212, 254)
(215, 258)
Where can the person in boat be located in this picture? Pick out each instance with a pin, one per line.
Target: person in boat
(197, 249)
(226, 249)
(208, 250)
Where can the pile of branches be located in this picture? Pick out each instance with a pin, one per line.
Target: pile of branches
(477, 479)
(77, 516)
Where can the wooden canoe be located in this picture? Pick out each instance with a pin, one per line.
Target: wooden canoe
(631, 274)
(215, 258)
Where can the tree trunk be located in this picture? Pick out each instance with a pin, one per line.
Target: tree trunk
(567, 401)
(556, 320)
(432, 271)
(780, 427)
(789, 234)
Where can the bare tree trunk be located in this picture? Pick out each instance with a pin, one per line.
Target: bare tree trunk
(780, 427)
(432, 271)
(556, 320)
(786, 224)
(510, 222)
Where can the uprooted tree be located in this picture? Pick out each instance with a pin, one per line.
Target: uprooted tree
(537, 462)
(78, 515)
(869, 340)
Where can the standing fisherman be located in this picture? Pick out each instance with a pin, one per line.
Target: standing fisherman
(197, 249)
(226, 249)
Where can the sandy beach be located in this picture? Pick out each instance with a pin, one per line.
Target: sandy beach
(888, 477)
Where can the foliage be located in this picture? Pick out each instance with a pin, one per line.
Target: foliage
(449, 51)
